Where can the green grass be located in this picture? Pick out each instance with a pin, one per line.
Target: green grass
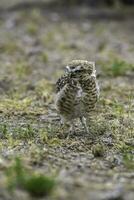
(98, 150)
(32, 28)
(44, 57)
(128, 160)
(39, 185)
(22, 69)
(36, 185)
(117, 67)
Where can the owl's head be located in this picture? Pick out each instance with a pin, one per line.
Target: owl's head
(79, 67)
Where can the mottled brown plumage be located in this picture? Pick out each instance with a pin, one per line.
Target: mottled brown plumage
(62, 81)
(77, 91)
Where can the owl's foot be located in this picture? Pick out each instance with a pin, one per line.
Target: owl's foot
(66, 129)
(84, 124)
(71, 131)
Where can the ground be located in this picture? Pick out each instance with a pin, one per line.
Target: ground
(35, 45)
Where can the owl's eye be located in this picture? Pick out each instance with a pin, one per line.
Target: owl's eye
(72, 67)
(78, 71)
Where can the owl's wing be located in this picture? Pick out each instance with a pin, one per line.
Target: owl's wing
(62, 81)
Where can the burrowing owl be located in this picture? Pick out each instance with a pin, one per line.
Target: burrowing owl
(77, 92)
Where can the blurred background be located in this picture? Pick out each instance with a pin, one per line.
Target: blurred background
(51, 32)
(74, 2)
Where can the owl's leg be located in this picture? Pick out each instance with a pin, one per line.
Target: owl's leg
(84, 124)
(62, 124)
(71, 130)
(69, 126)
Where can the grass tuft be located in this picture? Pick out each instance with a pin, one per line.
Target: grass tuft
(39, 186)
(128, 160)
(117, 67)
(98, 150)
(36, 185)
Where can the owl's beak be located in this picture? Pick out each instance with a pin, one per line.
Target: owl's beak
(68, 69)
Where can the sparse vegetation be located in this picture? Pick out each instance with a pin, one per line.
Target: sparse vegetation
(116, 67)
(22, 69)
(128, 160)
(98, 150)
